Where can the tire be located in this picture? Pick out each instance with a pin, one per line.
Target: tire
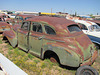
(86, 70)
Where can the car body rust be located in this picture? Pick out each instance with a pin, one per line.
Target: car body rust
(36, 35)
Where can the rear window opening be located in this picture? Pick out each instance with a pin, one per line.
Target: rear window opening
(74, 28)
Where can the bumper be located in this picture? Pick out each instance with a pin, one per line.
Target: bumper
(91, 60)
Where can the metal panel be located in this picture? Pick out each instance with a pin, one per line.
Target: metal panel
(9, 67)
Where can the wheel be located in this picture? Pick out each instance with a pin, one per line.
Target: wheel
(54, 59)
(86, 70)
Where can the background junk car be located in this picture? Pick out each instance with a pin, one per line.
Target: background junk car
(92, 30)
(5, 17)
(59, 39)
(96, 21)
(19, 18)
(3, 25)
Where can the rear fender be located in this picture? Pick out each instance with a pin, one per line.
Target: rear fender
(66, 57)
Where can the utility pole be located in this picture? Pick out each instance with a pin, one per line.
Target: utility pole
(75, 13)
(64, 11)
(51, 11)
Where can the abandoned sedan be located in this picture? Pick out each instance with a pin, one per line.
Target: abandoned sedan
(3, 25)
(58, 39)
(19, 18)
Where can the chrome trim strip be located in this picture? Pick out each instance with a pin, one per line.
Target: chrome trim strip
(54, 40)
(47, 38)
(34, 36)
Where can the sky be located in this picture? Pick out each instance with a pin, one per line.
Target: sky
(81, 7)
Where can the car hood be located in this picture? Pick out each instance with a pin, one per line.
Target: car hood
(4, 25)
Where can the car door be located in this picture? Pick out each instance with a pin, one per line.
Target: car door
(36, 38)
(23, 36)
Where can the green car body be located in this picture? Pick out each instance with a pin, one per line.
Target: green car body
(56, 38)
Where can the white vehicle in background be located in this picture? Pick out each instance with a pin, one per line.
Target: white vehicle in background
(11, 15)
(91, 29)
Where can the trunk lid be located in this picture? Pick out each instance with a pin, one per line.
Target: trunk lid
(85, 46)
(80, 44)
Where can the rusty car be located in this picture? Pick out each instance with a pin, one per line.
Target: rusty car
(19, 18)
(5, 16)
(58, 39)
(3, 25)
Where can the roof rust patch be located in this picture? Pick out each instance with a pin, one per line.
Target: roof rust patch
(25, 15)
(52, 20)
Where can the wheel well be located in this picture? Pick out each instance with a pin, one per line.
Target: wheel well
(7, 41)
(49, 54)
(5, 38)
(97, 45)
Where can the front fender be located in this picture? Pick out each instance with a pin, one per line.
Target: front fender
(11, 36)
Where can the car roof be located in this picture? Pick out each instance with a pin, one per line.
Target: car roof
(87, 23)
(96, 21)
(25, 15)
(59, 24)
(1, 16)
(52, 20)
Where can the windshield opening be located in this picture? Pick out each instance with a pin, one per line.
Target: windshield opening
(94, 28)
